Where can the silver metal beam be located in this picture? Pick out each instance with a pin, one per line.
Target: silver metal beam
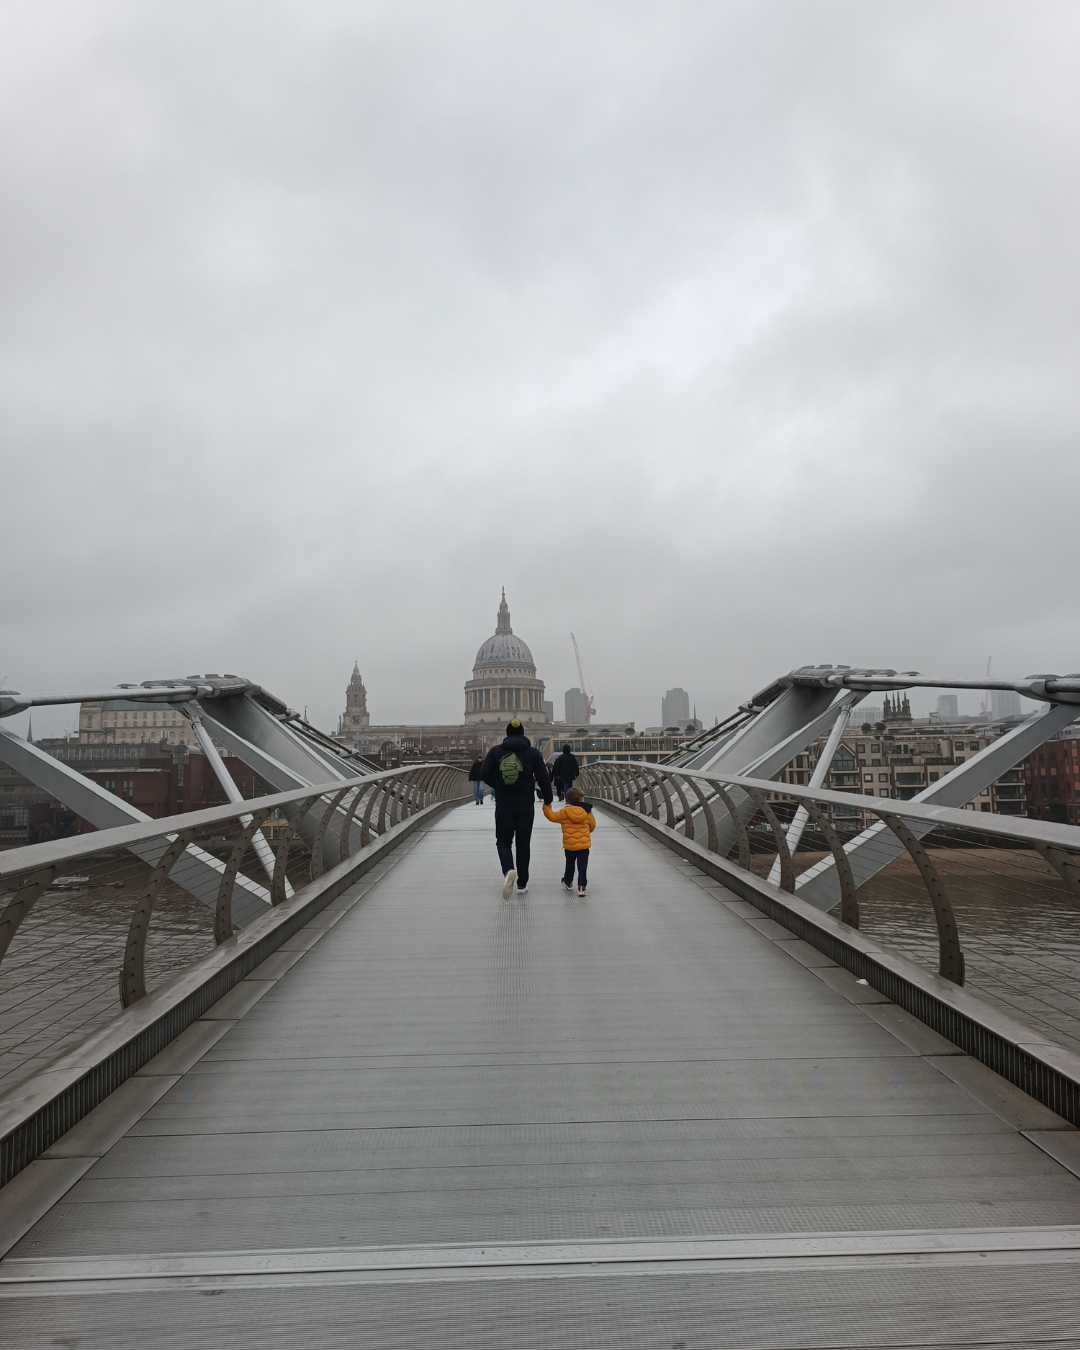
(1043, 688)
(103, 810)
(762, 747)
(817, 778)
(280, 757)
(1018, 829)
(281, 750)
(151, 691)
(269, 769)
(65, 852)
(819, 885)
(263, 851)
(778, 757)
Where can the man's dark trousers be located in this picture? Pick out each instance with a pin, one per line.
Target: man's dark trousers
(514, 818)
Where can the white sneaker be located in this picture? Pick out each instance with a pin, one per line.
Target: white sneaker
(508, 884)
(523, 889)
(581, 892)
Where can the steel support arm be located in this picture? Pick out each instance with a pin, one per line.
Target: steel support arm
(877, 847)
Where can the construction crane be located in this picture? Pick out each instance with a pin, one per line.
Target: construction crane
(987, 705)
(589, 703)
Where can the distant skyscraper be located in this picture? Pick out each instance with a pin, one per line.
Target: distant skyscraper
(675, 708)
(549, 711)
(1004, 703)
(576, 704)
(948, 707)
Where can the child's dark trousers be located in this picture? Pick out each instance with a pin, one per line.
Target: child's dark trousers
(581, 857)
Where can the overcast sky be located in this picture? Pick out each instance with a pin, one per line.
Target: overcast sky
(733, 336)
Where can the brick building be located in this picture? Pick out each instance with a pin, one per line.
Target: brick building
(155, 779)
(1052, 775)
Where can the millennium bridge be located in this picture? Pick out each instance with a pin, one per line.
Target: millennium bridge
(293, 1074)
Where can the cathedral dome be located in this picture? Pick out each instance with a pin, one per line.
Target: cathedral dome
(504, 676)
(504, 649)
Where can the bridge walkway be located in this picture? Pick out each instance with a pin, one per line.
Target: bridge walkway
(647, 1118)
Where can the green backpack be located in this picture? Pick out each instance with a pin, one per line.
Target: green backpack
(510, 769)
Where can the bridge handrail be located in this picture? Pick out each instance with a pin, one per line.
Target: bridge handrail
(1018, 829)
(334, 821)
(30, 857)
(655, 790)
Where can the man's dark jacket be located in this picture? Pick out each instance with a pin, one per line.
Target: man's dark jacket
(534, 776)
(566, 768)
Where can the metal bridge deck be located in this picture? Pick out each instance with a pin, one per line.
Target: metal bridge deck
(640, 1119)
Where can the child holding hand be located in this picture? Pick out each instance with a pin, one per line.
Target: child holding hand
(578, 823)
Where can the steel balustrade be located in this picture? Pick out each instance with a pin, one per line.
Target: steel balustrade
(681, 799)
(393, 796)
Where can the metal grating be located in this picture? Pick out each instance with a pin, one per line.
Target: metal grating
(42, 1128)
(1038, 1079)
(778, 1309)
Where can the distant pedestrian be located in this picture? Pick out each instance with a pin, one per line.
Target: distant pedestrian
(563, 771)
(578, 823)
(477, 781)
(513, 770)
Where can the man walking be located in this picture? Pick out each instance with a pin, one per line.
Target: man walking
(563, 771)
(477, 781)
(514, 771)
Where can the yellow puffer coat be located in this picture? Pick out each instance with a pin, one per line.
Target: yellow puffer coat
(577, 826)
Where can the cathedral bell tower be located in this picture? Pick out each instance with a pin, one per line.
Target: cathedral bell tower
(355, 720)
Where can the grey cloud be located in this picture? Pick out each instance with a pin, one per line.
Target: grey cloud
(731, 337)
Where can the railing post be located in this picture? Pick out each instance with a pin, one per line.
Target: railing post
(223, 919)
(281, 862)
(295, 815)
(661, 783)
(849, 895)
(1065, 864)
(742, 834)
(950, 952)
(344, 848)
(687, 814)
(377, 795)
(712, 834)
(398, 792)
(787, 871)
(22, 901)
(318, 862)
(133, 970)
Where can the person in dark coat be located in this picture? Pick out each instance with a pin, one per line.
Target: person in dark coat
(564, 771)
(515, 770)
(477, 782)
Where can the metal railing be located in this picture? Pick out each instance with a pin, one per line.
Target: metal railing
(990, 900)
(111, 915)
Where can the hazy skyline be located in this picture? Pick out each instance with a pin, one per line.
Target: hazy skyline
(731, 337)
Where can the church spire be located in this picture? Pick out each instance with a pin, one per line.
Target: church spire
(502, 623)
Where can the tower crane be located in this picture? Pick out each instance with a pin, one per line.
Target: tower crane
(589, 703)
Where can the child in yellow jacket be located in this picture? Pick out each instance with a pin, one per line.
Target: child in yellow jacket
(578, 823)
